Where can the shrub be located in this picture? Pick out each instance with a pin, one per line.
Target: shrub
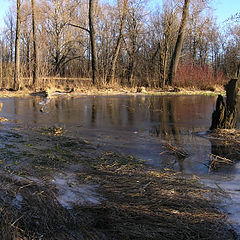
(190, 74)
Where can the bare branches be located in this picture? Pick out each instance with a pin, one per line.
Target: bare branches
(121, 42)
(77, 26)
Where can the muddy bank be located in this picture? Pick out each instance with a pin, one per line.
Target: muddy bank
(55, 186)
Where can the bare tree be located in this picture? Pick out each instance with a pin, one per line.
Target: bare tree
(17, 47)
(119, 41)
(165, 33)
(135, 34)
(111, 42)
(94, 57)
(9, 21)
(179, 43)
(35, 47)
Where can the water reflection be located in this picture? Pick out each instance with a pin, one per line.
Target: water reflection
(138, 125)
(168, 128)
(117, 111)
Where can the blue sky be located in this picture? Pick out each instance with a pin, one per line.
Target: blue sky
(223, 8)
(4, 5)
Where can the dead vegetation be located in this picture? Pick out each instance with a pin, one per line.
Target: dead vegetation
(147, 204)
(225, 148)
(70, 87)
(31, 211)
(175, 150)
(216, 161)
(53, 131)
(135, 202)
(227, 135)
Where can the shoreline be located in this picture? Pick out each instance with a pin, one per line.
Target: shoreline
(116, 91)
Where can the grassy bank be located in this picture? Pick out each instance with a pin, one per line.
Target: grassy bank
(118, 90)
(54, 186)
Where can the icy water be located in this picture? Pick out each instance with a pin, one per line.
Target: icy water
(139, 126)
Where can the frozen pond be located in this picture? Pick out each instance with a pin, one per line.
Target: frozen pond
(136, 125)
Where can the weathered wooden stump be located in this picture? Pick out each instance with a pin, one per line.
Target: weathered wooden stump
(225, 114)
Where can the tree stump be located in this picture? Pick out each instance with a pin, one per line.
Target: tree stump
(225, 114)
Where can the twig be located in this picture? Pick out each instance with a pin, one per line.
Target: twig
(12, 224)
(221, 189)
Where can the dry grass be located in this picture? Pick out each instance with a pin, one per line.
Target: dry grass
(71, 88)
(37, 215)
(147, 204)
(176, 150)
(136, 202)
(230, 135)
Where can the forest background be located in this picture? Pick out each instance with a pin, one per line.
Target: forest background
(134, 43)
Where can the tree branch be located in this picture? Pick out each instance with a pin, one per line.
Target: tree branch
(77, 26)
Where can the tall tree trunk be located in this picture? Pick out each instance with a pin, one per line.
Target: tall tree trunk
(28, 58)
(35, 47)
(11, 40)
(179, 43)
(17, 47)
(119, 41)
(130, 71)
(95, 72)
(1, 65)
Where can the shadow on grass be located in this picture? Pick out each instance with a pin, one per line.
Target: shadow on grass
(135, 202)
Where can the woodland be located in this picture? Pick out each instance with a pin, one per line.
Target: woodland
(59, 177)
(121, 42)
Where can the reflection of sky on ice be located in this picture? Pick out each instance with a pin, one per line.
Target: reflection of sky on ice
(17, 201)
(71, 193)
(230, 186)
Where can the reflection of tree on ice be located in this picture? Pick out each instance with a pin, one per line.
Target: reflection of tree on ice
(44, 103)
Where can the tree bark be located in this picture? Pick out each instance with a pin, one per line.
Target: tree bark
(95, 72)
(225, 115)
(35, 47)
(179, 43)
(17, 47)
